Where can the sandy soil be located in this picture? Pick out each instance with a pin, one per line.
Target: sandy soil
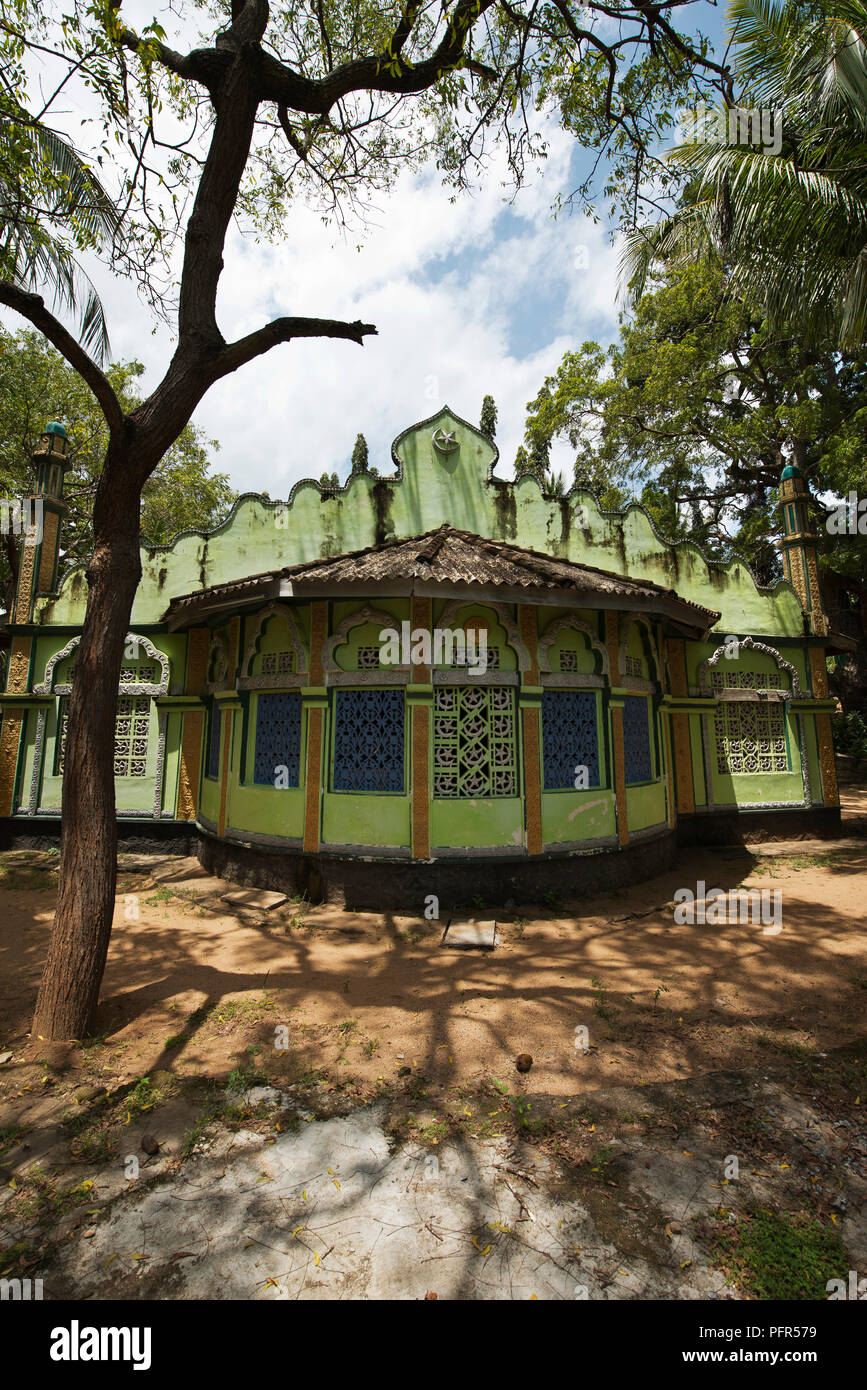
(229, 1036)
(200, 988)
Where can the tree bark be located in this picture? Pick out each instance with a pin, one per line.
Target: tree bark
(69, 989)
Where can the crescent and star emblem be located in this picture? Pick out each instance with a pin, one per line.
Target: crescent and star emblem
(444, 441)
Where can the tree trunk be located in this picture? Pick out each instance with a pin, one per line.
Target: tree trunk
(69, 989)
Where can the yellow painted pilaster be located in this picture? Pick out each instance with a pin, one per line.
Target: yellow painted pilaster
(318, 636)
(191, 739)
(530, 716)
(827, 760)
(225, 759)
(48, 553)
(420, 780)
(683, 772)
(315, 723)
(612, 643)
(13, 723)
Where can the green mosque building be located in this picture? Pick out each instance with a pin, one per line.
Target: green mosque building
(635, 695)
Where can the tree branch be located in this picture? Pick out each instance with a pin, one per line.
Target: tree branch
(32, 307)
(283, 330)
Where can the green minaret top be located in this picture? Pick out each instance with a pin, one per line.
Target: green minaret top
(50, 457)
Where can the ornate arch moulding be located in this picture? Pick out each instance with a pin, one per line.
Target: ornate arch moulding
(340, 635)
(296, 642)
(752, 645)
(627, 622)
(126, 688)
(150, 688)
(506, 621)
(553, 630)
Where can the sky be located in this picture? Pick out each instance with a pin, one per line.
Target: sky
(479, 295)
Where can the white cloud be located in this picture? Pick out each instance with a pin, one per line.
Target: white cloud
(472, 296)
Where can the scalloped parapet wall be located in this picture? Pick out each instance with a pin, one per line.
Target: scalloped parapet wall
(432, 485)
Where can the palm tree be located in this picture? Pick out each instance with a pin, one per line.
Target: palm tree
(789, 224)
(51, 207)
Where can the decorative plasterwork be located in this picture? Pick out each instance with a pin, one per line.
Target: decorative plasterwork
(554, 629)
(572, 680)
(125, 688)
(361, 615)
(627, 622)
(218, 661)
(275, 610)
(751, 645)
(444, 441)
(506, 621)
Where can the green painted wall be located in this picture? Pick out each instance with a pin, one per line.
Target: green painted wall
(478, 824)
(430, 488)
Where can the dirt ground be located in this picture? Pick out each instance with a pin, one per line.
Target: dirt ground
(318, 1012)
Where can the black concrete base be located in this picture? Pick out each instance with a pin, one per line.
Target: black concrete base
(402, 885)
(139, 836)
(745, 827)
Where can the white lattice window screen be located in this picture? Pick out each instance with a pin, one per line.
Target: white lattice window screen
(750, 737)
(474, 741)
(278, 663)
(634, 666)
(131, 731)
(746, 680)
(569, 661)
(138, 675)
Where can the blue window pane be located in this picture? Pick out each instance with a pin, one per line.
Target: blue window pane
(569, 737)
(636, 739)
(278, 738)
(214, 750)
(368, 741)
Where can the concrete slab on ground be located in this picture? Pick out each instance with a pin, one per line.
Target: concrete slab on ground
(468, 934)
(260, 898)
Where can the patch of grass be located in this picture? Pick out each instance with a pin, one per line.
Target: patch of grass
(370, 1047)
(524, 1118)
(10, 1136)
(602, 1007)
(295, 916)
(347, 1026)
(433, 1131)
(21, 1255)
(38, 1199)
(93, 1145)
(232, 1013)
(162, 895)
(140, 1099)
(794, 1049)
(26, 878)
(601, 1157)
(242, 1078)
(660, 989)
(785, 1255)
